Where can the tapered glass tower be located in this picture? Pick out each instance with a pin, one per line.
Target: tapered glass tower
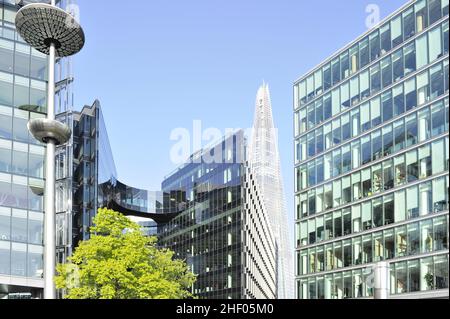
(264, 157)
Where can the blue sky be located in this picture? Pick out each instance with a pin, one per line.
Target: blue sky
(161, 64)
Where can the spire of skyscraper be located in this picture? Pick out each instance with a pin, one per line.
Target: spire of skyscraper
(264, 157)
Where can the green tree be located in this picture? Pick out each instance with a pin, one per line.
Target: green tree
(120, 262)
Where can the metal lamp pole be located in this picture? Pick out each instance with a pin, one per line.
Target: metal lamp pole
(54, 32)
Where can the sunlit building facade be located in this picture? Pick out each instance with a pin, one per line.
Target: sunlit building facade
(223, 231)
(372, 160)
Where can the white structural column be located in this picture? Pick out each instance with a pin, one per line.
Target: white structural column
(381, 280)
(49, 208)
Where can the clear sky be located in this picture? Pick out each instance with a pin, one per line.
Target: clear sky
(161, 64)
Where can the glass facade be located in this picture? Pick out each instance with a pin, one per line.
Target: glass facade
(212, 232)
(372, 159)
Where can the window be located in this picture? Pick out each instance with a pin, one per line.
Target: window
(320, 230)
(445, 36)
(354, 65)
(398, 100)
(311, 142)
(327, 109)
(377, 212)
(441, 272)
(424, 124)
(336, 108)
(346, 190)
(364, 83)
(385, 32)
(374, 40)
(347, 220)
(365, 117)
(409, 53)
(356, 155)
(302, 92)
(412, 202)
(434, 7)
(435, 44)
(335, 71)
(22, 60)
(399, 135)
(357, 251)
(346, 159)
(336, 194)
(329, 226)
(376, 145)
(356, 219)
(319, 111)
(337, 247)
(425, 161)
(386, 71)
(423, 89)
(375, 78)
(440, 227)
(364, 52)
(355, 120)
(426, 233)
(367, 249)
(421, 15)
(311, 116)
(18, 260)
(318, 82)
(345, 67)
(366, 182)
(326, 77)
(337, 221)
(356, 185)
(366, 216)
(437, 81)
(400, 241)
(400, 208)
(413, 239)
(421, 51)
(345, 95)
(311, 174)
(337, 163)
(310, 87)
(437, 118)
(6, 55)
(345, 122)
(387, 140)
(396, 30)
(397, 62)
(354, 90)
(6, 89)
(320, 170)
(375, 111)
(411, 130)
(35, 263)
(412, 166)
(413, 276)
(5, 259)
(366, 150)
(426, 200)
(38, 68)
(386, 101)
(389, 244)
(410, 94)
(408, 23)
(440, 202)
(388, 175)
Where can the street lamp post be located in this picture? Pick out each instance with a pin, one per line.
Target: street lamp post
(54, 32)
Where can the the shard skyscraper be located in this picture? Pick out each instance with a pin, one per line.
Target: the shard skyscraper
(265, 159)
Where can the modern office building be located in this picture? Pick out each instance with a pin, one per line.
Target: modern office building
(23, 83)
(265, 159)
(224, 230)
(372, 160)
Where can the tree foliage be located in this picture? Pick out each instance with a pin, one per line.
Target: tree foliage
(120, 262)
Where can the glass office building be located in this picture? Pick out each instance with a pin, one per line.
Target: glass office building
(223, 231)
(372, 160)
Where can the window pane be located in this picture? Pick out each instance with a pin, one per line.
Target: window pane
(437, 118)
(410, 94)
(408, 23)
(6, 55)
(421, 51)
(396, 27)
(435, 44)
(437, 81)
(386, 71)
(409, 53)
(385, 38)
(397, 60)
